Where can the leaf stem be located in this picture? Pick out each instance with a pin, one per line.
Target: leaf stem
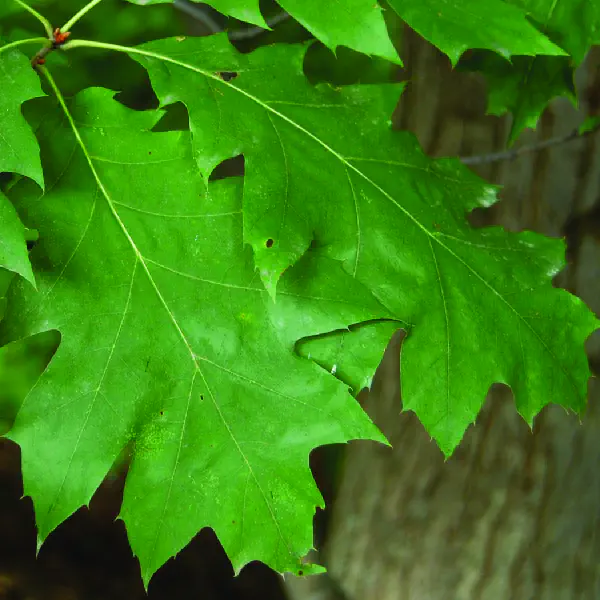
(103, 45)
(131, 50)
(47, 25)
(44, 71)
(67, 26)
(37, 40)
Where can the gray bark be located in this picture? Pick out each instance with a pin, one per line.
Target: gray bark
(514, 513)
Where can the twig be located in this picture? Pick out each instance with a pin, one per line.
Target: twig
(37, 40)
(40, 55)
(200, 14)
(516, 152)
(38, 16)
(69, 24)
(252, 32)
(57, 40)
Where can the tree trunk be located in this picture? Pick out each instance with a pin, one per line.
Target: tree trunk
(514, 513)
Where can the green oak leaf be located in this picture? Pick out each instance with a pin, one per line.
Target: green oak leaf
(241, 116)
(357, 24)
(572, 24)
(524, 87)
(19, 153)
(354, 355)
(528, 87)
(6, 278)
(244, 10)
(474, 299)
(171, 347)
(459, 25)
(13, 247)
(21, 364)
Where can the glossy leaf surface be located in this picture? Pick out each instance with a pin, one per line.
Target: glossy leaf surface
(397, 221)
(171, 348)
(526, 87)
(458, 25)
(357, 24)
(19, 153)
(210, 332)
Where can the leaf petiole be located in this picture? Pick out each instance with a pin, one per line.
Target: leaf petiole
(37, 40)
(67, 26)
(47, 25)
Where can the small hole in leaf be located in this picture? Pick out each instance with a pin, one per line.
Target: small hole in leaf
(232, 167)
(269, 243)
(201, 396)
(227, 75)
(150, 152)
(31, 237)
(162, 412)
(300, 572)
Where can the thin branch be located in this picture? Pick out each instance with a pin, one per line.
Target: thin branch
(40, 56)
(69, 24)
(202, 15)
(57, 41)
(38, 16)
(252, 32)
(37, 40)
(484, 159)
(199, 14)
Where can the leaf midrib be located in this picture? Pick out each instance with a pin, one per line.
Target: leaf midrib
(142, 261)
(344, 161)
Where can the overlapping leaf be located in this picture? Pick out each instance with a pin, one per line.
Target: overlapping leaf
(353, 355)
(171, 347)
(13, 248)
(19, 153)
(6, 278)
(573, 24)
(475, 299)
(526, 88)
(541, 29)
(459, 25)
(357, 24)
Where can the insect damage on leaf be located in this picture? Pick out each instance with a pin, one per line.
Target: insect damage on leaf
(148, 316)
(212, 327)
(397, 222)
